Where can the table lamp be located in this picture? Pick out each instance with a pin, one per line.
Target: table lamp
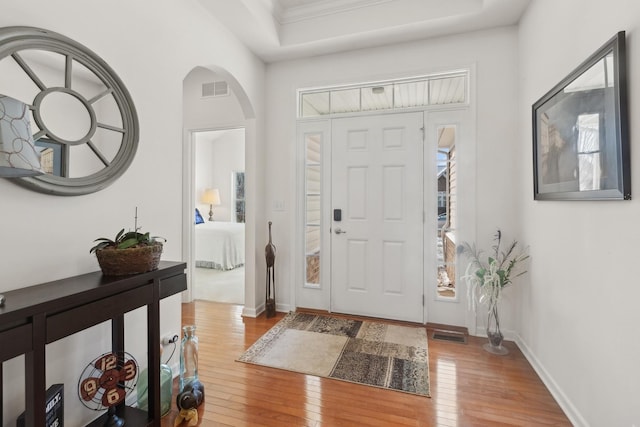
(211, 197)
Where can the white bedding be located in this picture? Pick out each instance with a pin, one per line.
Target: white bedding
(219, 245)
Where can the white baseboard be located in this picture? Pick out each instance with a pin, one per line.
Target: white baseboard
(509, 335)
(249, 312)
(252, 312)
(569, 409)
(284, 308)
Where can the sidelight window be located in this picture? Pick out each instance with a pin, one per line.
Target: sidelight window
(447, 207)
(312, 176)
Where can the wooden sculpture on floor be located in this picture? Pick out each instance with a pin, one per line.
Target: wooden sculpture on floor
(270, 294)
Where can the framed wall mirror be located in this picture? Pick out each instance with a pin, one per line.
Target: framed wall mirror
(84, 122)
(580, 131)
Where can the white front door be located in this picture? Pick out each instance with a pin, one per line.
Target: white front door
(377, 216)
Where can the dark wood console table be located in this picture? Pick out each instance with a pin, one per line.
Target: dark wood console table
(38, 315)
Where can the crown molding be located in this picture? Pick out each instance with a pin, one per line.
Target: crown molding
(303, 12)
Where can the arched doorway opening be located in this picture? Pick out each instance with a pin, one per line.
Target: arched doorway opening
(214, 100)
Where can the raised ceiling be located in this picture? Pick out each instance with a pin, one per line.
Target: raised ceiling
(285, 29)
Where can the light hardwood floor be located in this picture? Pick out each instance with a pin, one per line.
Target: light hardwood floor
(469, 387)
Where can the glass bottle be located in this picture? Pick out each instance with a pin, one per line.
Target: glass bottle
(188, 356)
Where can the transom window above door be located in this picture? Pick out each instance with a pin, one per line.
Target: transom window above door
(449, 88)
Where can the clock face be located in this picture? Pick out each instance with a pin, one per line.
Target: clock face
(106, 381)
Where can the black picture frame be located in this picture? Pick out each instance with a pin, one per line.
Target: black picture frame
(580, 131)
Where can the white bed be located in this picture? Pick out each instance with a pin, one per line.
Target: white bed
(219, 245)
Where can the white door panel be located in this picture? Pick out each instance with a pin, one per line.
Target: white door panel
(377, 183)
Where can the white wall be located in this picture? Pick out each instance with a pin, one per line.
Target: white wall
(579, 303)
(494, 55)
(228, 157)
(209, 112)
(152, 50)
(203, 170)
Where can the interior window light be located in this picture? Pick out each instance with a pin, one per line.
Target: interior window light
(345, 100)
(411, 94)
(314, 104)
(448, 90)
(377, 98)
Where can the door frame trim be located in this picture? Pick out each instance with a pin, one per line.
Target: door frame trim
(298, 239)
(189, 202)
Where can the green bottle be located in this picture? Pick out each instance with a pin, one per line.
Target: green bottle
(166, 389)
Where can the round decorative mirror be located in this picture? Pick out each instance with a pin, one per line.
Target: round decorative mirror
(84, 123)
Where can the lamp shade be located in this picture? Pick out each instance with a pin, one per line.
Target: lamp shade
(18, 155)
(211, 196)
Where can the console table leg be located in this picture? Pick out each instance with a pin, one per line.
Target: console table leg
(153, 329)
(1, 398)
(117, 342)
(35, 375)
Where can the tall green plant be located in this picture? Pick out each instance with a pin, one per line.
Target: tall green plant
(486, 278)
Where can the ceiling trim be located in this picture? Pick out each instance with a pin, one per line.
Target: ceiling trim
(277, 30)
(303, 12)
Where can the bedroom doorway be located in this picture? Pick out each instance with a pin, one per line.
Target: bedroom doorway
(219, 215)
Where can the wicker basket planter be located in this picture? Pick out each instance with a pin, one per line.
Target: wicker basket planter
(121, 262)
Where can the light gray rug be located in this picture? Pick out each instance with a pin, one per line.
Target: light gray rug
(376, 354)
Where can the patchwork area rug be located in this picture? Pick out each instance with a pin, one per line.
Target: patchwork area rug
(376, 354)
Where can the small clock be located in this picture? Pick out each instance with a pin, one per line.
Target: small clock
(105, 382)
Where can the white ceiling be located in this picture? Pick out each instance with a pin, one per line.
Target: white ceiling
(286, 29)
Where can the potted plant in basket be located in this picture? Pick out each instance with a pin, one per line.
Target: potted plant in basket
(486, 278)
(132, 252)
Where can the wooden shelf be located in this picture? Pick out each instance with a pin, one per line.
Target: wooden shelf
(38, 315)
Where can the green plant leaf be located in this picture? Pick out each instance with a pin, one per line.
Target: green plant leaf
(128, 243)
(101, 245)
(124, 240)
(104, 239)
(129, 235)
